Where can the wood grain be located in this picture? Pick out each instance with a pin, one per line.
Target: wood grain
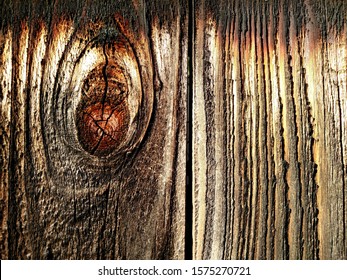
(269, 130)
(237, 108)
(58, 201)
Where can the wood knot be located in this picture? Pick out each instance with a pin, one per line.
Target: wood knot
(109, 99)
(102, 117)
(102, 127)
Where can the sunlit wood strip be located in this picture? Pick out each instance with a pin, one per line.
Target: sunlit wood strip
(5, 134)
(171, 177)
(199, 176)
(18, 175)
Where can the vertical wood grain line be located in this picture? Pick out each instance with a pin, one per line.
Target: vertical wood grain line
(188, 253)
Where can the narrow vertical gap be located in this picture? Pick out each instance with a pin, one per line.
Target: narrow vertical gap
(189, 167)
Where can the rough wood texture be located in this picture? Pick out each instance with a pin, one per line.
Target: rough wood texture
(94, 143)
(270, 130)
(59, 200)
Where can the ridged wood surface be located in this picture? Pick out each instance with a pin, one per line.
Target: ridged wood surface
(173, 129)
(269, 130)
(61, 199)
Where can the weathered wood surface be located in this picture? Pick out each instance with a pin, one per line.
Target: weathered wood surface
(264, 149)
(269, 130)
(63, 200)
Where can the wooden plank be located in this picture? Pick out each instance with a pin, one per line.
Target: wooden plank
(93, 129)
(5, 116)
(269, 130)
